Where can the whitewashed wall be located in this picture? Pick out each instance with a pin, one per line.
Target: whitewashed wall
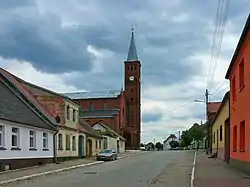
(122, 146)
(24, 142)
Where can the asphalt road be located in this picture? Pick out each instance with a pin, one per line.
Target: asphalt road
(137, 171)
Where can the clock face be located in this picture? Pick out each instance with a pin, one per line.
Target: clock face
(131, 78)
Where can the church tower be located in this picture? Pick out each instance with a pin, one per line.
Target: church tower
(132, 72)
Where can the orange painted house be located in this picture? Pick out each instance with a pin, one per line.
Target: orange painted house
(239, 75)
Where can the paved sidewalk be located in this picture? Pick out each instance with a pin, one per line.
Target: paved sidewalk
(214, 173)
(14, 174)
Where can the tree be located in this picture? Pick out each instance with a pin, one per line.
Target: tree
(197, 132)
(158, 146)
(186, 139)
(174, 144)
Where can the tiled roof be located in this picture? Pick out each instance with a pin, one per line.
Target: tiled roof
(109, 129)
(27, 95)
(13, 107)
(18, 79)
(84, 127)
(172, 136)
(212, 107)
(93, 94)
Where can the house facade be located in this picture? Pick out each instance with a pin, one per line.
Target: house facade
(221, 130)
(70, 141)
(111, 139)
(166, 143)
(27, 134)
(239, 75)
(94, 140)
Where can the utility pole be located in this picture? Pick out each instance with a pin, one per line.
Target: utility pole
(208, 139)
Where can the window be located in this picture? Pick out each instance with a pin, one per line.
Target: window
(73, 143)
(233, 89)
(131, 99)
(123, 111)
(105, 105)
(60, 141)
(235, 138)
(15, 137)
(68, 112)
(1, 136)
(135, 67)
(92, 107)
(214, 137)
(96, 144)
(67, 142)
(241, 74)
(131, 67)
(32, 139)
(221, 133)
(131, 90)
(74, 115)
(45, 140)
(100, 144)
(242, 136)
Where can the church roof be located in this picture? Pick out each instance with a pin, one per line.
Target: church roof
(94, 94)
(132, 52)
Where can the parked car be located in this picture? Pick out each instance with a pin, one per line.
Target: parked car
(107, 154)
(143, 148)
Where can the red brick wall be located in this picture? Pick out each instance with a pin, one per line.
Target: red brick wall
(54, 105)
(98, 103)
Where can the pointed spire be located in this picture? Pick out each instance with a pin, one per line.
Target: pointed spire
(132, 53)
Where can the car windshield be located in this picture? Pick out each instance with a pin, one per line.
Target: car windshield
(106, 151)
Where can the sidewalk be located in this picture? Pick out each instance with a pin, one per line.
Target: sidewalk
(214, 173)
(53, 168)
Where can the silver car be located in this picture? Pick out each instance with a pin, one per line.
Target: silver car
(107, 154)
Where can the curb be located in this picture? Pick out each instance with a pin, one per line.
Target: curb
(48, 172)
(59, 170)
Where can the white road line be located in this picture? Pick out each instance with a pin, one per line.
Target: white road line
(193, 170)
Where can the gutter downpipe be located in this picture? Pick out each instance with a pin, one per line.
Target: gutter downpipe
(55, 147)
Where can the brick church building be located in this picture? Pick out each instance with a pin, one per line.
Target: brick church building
(118, 109)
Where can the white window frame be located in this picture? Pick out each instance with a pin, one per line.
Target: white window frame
(17, 134)
(32, 137)
(2, 136)
(46, 139)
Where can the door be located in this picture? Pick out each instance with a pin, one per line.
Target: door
(118, 146)
(227, 140)
(217, 143)
(80, 146)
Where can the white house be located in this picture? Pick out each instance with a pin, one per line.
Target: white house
(26, 133)
(111, 139)
(171, 137)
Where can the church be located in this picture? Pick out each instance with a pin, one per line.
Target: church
(118, 109)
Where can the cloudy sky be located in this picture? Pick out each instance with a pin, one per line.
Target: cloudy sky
(81, 45)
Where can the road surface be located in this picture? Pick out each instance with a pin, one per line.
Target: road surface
(153, 169)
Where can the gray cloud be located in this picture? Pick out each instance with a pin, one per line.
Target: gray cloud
(151, 117)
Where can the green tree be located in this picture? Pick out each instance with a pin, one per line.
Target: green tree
(158, 146)
(186, 138)
(174, 144)
(196, 132)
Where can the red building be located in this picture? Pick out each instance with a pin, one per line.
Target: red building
(119, 109)
(239, 75)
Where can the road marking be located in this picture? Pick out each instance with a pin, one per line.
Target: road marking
(193, 170)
